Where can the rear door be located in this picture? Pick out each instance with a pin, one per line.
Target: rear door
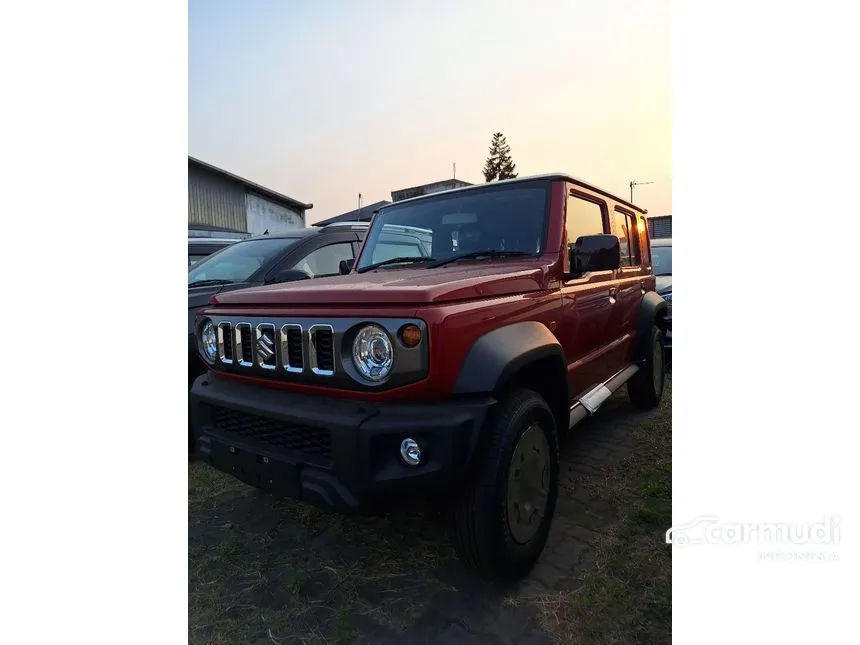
(632, 277)
(587, 300)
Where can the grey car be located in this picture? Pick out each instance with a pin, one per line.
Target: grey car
(661, 260)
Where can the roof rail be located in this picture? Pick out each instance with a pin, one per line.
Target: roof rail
(359, 224)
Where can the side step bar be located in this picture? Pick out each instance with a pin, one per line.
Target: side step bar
(594, 398)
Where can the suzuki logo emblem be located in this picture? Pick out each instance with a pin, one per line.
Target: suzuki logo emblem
(266, 345)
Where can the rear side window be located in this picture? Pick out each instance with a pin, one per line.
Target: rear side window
(325, 260)
(625, 227)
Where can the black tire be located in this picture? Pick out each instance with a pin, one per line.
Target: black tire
(646, 387)
(480, 528)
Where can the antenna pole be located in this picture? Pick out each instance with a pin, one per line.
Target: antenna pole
(455, 170)
(637, 183)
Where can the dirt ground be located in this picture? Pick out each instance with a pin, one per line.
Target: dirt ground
(266, 570)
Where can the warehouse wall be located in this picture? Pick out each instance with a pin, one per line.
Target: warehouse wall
(265, 214)
(660, 226)
(214, 200)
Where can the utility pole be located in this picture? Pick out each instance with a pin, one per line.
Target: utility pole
(637, 183)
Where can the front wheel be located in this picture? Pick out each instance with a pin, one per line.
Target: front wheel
(501, 523)
(646, 387)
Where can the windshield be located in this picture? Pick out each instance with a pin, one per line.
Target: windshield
(661, 259)
(508, 218)
(238, 262)
(194, 259)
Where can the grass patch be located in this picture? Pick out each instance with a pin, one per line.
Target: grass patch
(270, 570)
(627, 596)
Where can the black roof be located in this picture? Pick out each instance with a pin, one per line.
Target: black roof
(551, 176)
(362, 214)
(297, 233)
(305, 232)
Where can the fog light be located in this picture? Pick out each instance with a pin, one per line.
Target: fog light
(410, 451)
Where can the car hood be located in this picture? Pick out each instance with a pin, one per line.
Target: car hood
(664, 283)
(198, 297)
(402, 286)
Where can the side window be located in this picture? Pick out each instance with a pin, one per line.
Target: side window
(621, 228)
(325, 260)
(635, 237)
(583, 218)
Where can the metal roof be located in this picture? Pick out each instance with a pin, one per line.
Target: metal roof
(251, 186)
(556, 175)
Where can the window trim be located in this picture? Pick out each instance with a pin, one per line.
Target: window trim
(604, 214)
(346, 243)
(630, 214)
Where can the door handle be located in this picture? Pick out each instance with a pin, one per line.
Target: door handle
(613, 295)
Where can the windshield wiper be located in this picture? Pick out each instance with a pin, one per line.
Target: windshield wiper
(662, 274)
(489, 253)
(208, 283)
(411, 259)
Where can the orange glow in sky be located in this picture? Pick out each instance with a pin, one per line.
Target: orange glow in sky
(321, 101)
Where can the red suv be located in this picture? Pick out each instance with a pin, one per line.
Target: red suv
(474, 328)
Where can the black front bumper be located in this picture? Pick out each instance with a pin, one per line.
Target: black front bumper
(335, 453)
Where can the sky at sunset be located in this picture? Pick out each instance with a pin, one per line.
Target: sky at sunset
(321, 100)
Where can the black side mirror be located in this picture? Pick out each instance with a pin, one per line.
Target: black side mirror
(290, 275)
(346, 266)
(595, 253)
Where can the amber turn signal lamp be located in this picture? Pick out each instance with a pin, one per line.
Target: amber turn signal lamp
(410, 335)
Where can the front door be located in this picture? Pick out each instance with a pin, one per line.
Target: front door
(589, 301)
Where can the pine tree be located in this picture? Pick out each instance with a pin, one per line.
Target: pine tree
(499, 164)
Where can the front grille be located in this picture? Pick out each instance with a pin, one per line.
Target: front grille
(307, 440)
(290, 348)
(324, 344)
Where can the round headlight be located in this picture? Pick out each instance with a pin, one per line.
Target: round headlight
(373, 353)
(209, 341)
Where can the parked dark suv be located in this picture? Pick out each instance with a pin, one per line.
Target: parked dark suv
(267, 259)
(444, 368)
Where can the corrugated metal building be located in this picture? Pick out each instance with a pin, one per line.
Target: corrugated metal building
(222, 200)
(660, 226)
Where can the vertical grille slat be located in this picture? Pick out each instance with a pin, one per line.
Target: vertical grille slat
(321, 349)
(244, 347)
(294, 348)
(292, 352)
(325, 349)
(225, 343)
